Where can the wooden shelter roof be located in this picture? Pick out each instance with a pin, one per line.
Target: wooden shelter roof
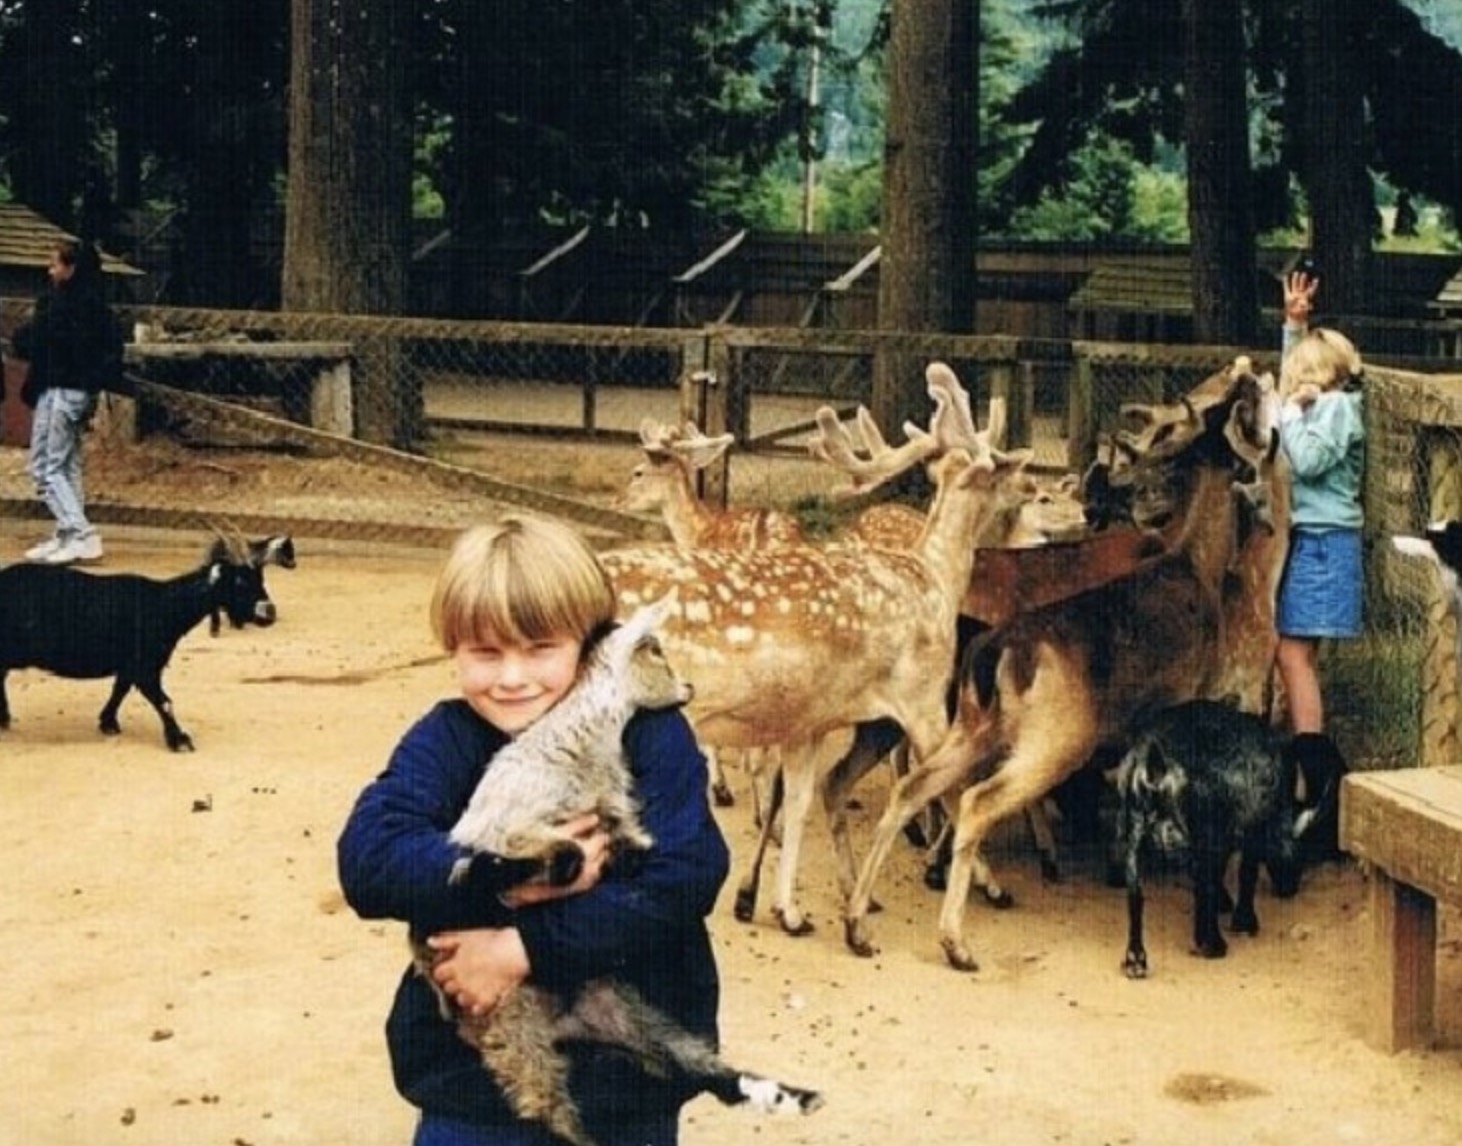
(1449, 298)
(1158, 284)
(27, 240)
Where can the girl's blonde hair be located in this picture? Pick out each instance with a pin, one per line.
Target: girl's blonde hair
(520, 579)
(1324, 359)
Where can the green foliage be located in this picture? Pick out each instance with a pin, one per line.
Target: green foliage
(677, 113)
(1097, 198)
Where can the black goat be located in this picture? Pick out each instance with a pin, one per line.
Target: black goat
(1207, 779)
(269, 551)
(85, 626)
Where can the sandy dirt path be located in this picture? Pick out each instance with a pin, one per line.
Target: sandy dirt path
(180, 969)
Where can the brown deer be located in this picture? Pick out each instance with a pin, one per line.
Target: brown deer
(1050, 686)
(789, 644)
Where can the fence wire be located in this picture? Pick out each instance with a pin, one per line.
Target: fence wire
(374, 428)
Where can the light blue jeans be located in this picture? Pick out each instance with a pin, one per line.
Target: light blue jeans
(60, 418)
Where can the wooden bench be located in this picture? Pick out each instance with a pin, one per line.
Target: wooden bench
(329, 399)
(1408, 825)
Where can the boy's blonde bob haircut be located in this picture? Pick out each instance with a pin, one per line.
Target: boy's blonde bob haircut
(521, 579)
(1323, 358)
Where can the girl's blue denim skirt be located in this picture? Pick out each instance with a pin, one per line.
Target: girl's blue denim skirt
(1323, 584)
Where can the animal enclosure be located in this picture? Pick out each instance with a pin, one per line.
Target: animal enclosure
(455, 421)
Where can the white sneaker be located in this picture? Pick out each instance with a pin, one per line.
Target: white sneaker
(43, 551)
(77, 549)
(89, 547)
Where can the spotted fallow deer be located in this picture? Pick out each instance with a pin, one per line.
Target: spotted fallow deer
(1055, 683)
(665, 483)
(1028, 512)
(1031, 512)
(787, 645)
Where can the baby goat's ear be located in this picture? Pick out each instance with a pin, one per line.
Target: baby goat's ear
(648, 618)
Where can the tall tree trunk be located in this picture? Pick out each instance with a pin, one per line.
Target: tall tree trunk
(1336, 178)
(926, 274)
(347, 228)
(130, 48)
(1220, 204)
(46, 169)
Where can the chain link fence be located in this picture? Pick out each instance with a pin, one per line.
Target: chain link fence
(364, 428)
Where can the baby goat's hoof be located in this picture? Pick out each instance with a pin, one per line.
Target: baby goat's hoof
(771, 1097)
(1134, 965)
(722, 797)
(1215, 948)
(565, 864)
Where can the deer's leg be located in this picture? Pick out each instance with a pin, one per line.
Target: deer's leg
(871, 742)
(799, 775)
(960, 750)
(1040, 761)
(1045, 840)
(721, 794)
(761, 764)
(746, 893)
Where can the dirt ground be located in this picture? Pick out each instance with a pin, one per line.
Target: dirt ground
(181, 970)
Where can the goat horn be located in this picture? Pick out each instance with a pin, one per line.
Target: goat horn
(696, 450)
(235, 546)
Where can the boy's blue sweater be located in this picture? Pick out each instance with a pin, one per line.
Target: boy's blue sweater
(644, 925)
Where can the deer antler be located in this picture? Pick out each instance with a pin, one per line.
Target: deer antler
(655, 436)
(960, 420)
(959, 423)
(875, 461)
(687, 445)
(951, 427)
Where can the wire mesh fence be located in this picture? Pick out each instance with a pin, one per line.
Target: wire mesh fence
(406, 429)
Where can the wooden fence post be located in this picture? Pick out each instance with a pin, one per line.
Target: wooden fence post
(1441, 720)
(711, 384)
(1081, 446)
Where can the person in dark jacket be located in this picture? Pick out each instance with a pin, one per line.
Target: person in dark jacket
(69, 343)
(514, 606)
